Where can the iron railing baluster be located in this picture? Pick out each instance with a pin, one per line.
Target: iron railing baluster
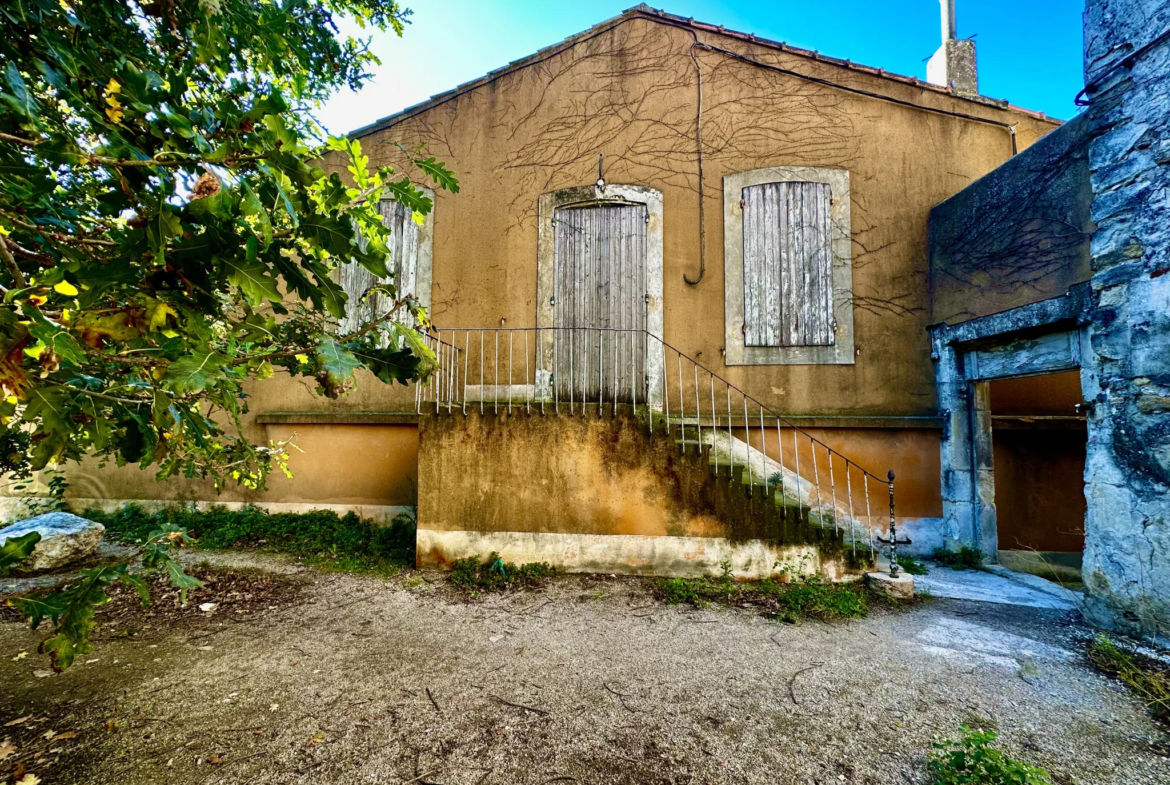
(817, 481)
(852, 520)
(796, 457)
(714, 422)
(747, 435)
(833, 491)
(730, 442)
(665, 392)
(698, 411)
(780, 459)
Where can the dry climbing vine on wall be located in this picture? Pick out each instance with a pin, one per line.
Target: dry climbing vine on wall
(1023, 227)
(630, 93)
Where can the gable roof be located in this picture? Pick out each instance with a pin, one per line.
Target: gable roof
(643, 11)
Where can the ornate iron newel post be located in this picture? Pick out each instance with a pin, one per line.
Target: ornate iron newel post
(894, 569)
(893, 542)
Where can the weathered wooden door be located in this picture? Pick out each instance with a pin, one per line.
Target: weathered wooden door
(600, 302)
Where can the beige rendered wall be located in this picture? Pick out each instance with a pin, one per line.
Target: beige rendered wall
(371, 469)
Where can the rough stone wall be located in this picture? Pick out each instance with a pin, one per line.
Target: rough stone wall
(1127, 372)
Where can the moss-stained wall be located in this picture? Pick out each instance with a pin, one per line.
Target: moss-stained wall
(601, 493)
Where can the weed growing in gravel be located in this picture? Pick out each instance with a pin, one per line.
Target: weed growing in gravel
(911, 565)
(966, 558)
(806, 598)
(972, 760)
(493, 574)
(1148, 681)
(320, 537)
(825, 601)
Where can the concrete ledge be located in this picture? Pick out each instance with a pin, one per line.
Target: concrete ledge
(338, 418)
(629, 554)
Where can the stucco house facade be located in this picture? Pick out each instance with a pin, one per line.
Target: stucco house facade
(677, 245)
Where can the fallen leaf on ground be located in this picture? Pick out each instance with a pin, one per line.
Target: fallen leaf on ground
(318, 737)
(274, 707)
(28, 779)
(20, 656)
(48, 734)
(18, 720)
(66, 735)
(42, 674)
(215, 759)
(7, 748)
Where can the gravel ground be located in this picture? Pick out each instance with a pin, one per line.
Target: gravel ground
(350, 679)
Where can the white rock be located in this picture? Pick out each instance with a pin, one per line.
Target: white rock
(65, 538)
(208, 607)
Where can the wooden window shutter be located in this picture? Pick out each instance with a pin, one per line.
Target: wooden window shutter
(357, 280)
(787, 265)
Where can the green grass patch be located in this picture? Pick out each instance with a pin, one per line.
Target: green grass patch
(320, 537)
(807, 598)
(813, 599)
(966, 558)
(1149, 680)
(911, 565)
(494, 574)
(972, 760)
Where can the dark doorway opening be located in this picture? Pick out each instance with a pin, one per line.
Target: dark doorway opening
(1038, 441)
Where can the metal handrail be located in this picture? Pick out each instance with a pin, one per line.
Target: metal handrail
(771, 413)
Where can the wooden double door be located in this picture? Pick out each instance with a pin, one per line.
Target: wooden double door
(600, 302)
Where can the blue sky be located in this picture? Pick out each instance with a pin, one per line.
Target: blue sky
(1029, 52)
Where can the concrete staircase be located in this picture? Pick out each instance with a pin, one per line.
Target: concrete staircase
(760, 499)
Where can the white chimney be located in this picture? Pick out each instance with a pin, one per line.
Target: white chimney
(953, 65)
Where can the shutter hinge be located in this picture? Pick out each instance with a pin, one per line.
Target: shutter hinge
(742, 203)
(552, 300)
(646, 299)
